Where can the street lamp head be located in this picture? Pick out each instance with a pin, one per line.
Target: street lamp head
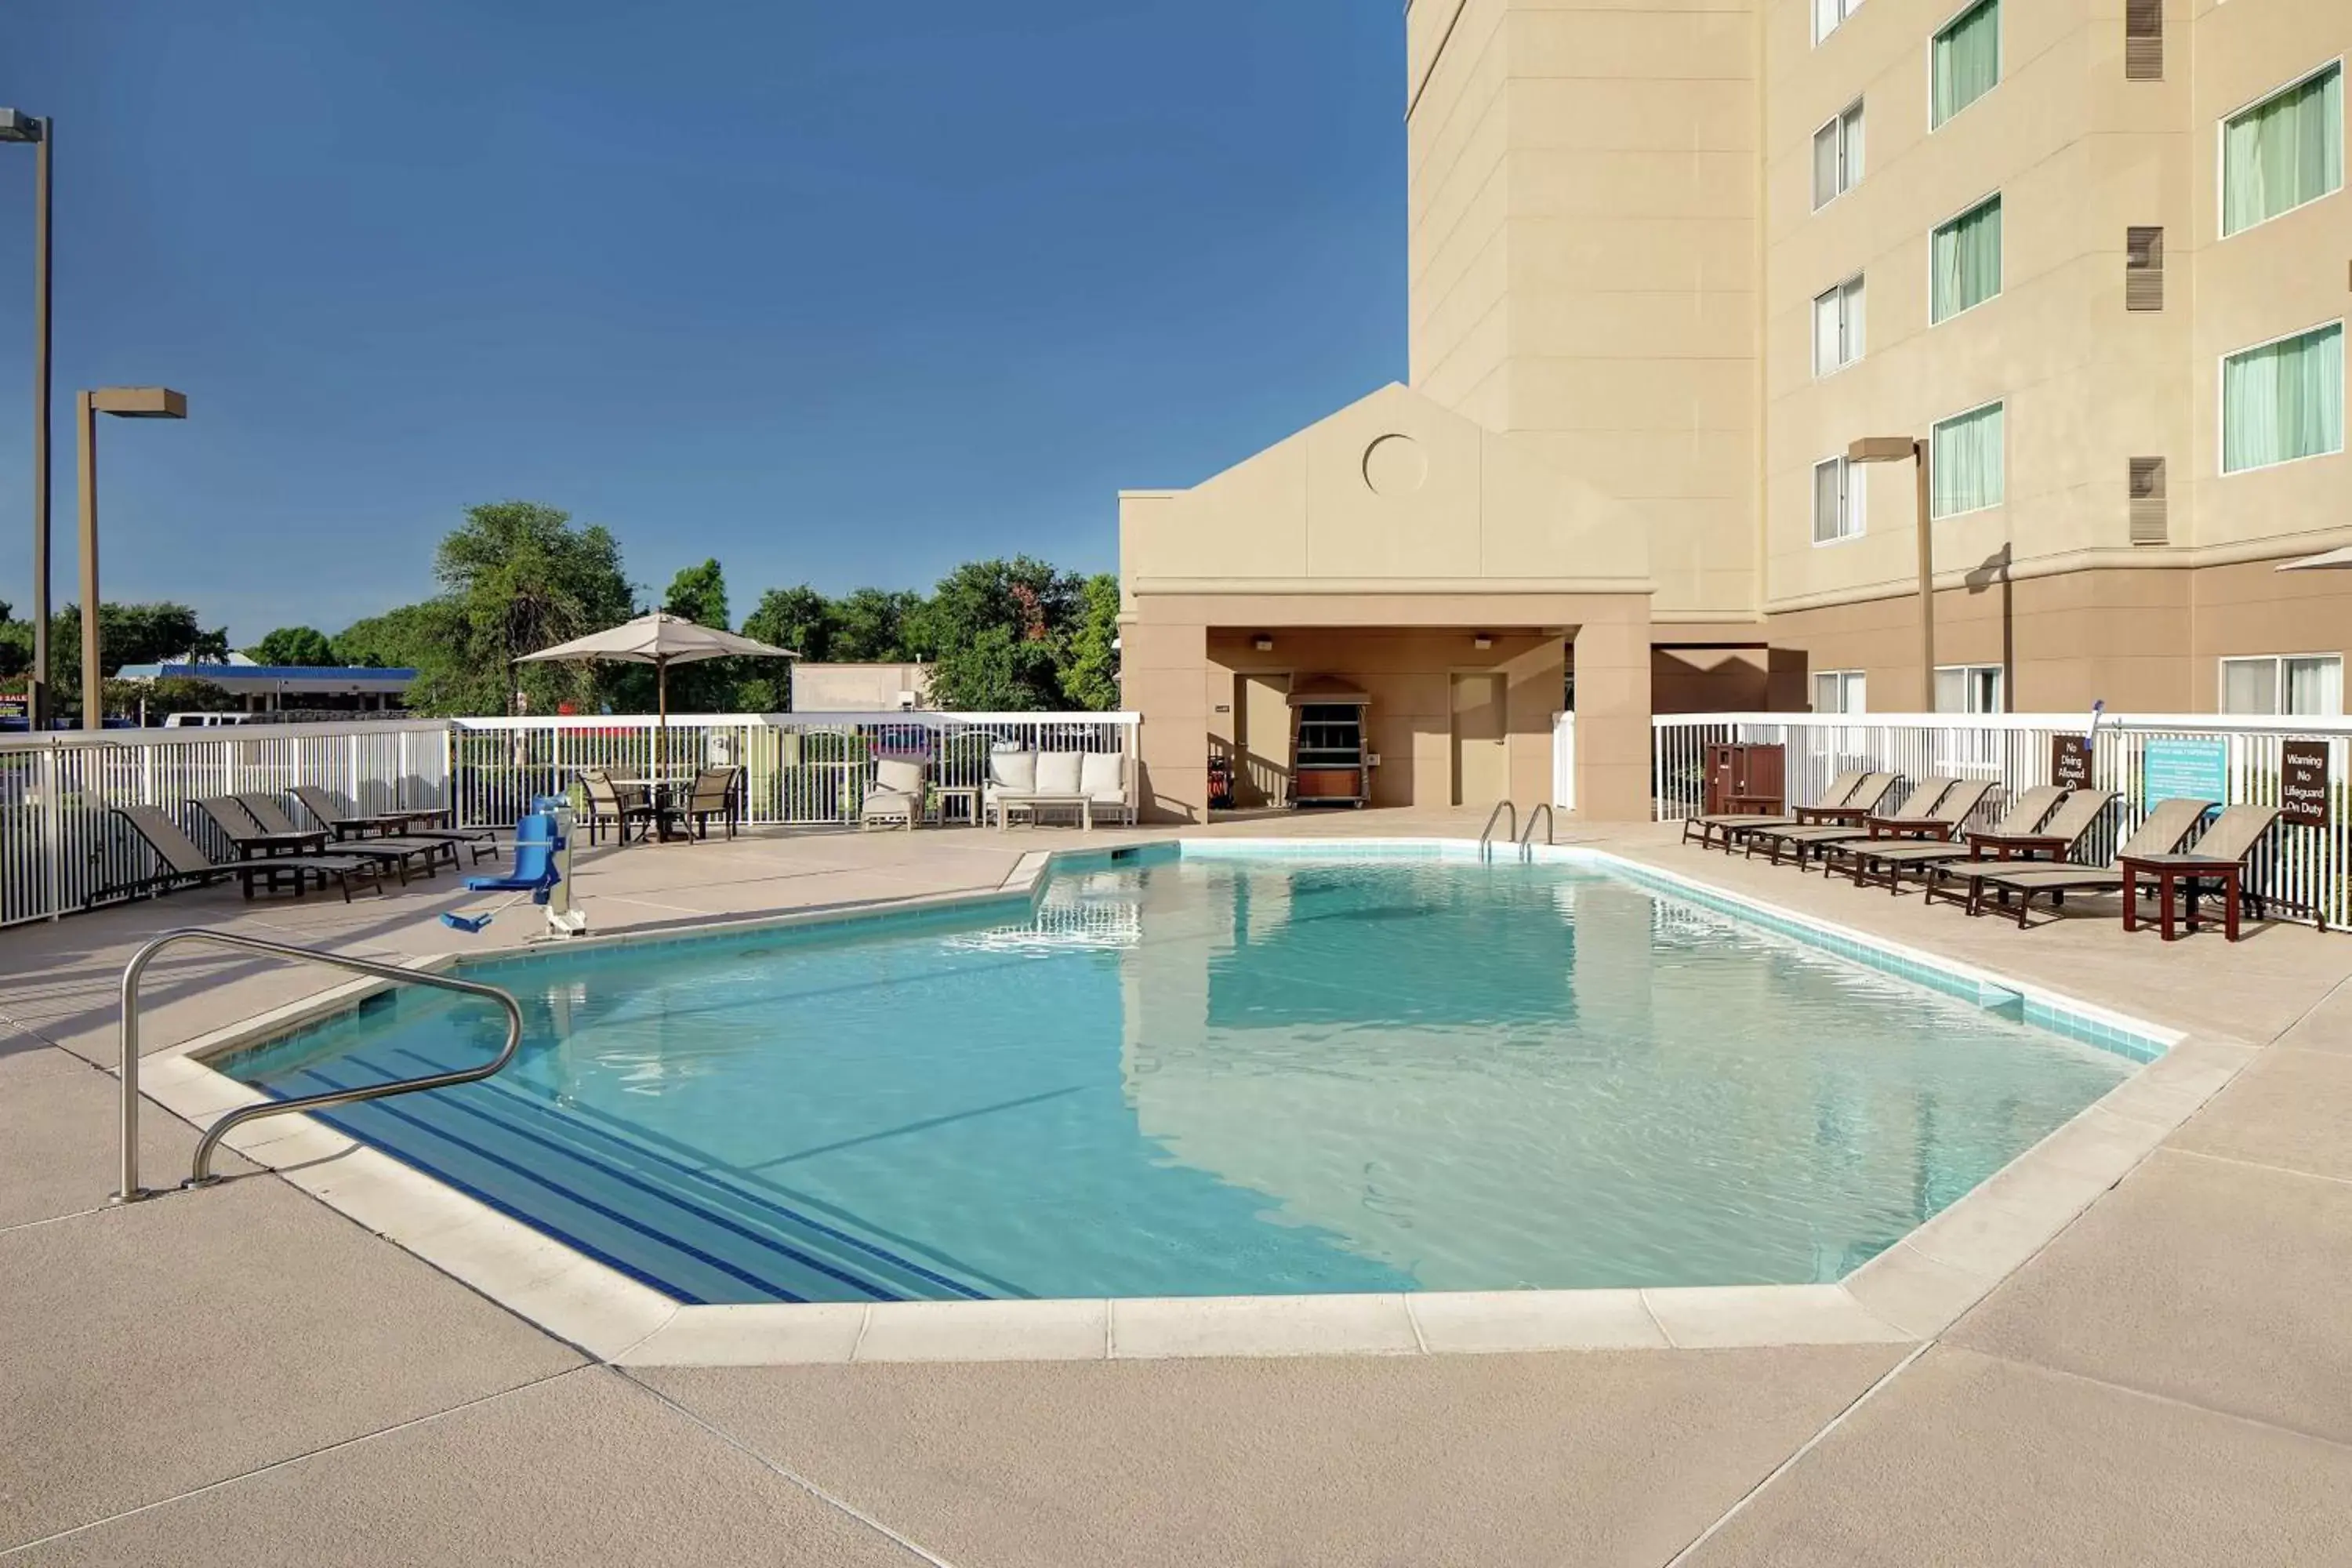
(141, 401)
(16, 125)
(1882, 449)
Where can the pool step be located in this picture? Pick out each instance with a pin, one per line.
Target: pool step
(690, 1233)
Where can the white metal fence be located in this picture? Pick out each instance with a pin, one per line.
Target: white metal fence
(1563, 761)
(2308, 870)
(62, 849)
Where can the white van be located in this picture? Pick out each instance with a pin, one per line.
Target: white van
(203, 721)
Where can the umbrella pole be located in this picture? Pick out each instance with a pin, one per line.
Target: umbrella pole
(661, 735)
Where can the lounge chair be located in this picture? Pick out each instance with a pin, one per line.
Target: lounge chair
(1918, 811)
(713, 795)
(1961, 877)
(330, 814)
(607, 806)
(895, 798)
(1889, 858)
(396, 853)
(2167, 826)
(2219, 856)
(1721, 825)
(237, 824)
(184, 860)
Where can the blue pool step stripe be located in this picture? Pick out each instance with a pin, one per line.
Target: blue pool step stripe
(682, 1249)
(757, 1214)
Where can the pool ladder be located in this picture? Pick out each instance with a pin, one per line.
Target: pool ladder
(1525, 840)
(201, 1173)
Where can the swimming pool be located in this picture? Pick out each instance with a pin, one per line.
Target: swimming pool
(1223, 1073)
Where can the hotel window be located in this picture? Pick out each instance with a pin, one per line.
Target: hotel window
(2283, 151)
(2283, 401)
(1968, 689)
(1965, 257)
(1837, 328)
(1837, 157)
(1829, 15)
(1964, 462)
(1964, 61)
(2306, 685)
(1837, 501)
(1839, 692)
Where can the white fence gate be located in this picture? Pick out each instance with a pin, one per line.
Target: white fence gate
(1563, 761)
(2308, 870)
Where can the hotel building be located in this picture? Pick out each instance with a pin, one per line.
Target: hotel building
(1668, 262)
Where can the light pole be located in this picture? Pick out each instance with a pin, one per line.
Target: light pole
(123, 403)
(1894, 449)
(41, 133)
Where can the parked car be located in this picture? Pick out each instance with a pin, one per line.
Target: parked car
(204, 720)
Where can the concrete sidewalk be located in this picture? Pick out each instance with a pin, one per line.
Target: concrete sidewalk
(244, 1376)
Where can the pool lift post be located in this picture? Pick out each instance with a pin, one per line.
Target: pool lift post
(542, 874)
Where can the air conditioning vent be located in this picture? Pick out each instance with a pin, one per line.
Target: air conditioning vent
(2143, 40)
(2148, 523)
(2143, 269)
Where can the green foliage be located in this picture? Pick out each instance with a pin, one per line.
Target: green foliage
(409, 637)
(294, 645)
(171, 694)
(1090, 674)
(878, 626)
(520, 578)
(698, 593)
(128, 634)
(798, 618)
(999, 631)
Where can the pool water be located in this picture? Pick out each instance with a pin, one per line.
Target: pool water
(1216, 1075)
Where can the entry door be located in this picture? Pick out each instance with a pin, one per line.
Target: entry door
(1482, 770)
(1262, 740)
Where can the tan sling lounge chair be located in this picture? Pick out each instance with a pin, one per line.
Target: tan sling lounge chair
(1888, 858)
(1918, 811)
(2167, 826)
(1720, 826)
(1960, 877)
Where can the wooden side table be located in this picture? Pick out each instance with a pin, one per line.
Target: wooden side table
(2167, 871)
(968, 794)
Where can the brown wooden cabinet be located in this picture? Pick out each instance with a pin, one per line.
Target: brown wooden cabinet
(1745, 777)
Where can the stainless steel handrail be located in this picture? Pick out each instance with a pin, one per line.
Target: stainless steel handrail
(1527, 838)
(132, 1191)
(1486, 839)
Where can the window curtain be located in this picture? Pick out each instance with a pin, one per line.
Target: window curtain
(2314, 687)
(1850, 149)
(2283, 400)
(2284, 152)
(1967, 60)
(1967, 261)
(1825, 164)
(2250, 686)
(1965, 463)
(1829, 500)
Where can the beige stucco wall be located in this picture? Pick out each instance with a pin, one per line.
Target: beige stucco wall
(1581, 195)
(857, 687)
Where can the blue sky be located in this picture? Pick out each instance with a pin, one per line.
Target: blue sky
(830, 298)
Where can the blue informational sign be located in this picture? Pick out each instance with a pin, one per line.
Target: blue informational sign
(2185, 770)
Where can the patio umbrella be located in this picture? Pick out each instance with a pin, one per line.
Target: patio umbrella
(2333, 560)
(661, 640)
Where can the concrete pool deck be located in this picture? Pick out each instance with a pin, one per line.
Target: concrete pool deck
(244, 1375)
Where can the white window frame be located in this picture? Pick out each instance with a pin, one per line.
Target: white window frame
(2000, 403)
(1849, 166)
(1851, 518)
(2221, 398)
(1853, 685)
(1845, 10)
(2222, 152)
(1971, 675)
(1938, 227)
(2278, 662)
(1847, 333)
(2000, 63)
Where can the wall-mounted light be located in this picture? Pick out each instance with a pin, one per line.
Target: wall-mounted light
(1482, 641)
(1263, 643)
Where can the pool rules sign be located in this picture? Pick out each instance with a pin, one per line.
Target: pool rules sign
(2303, 782)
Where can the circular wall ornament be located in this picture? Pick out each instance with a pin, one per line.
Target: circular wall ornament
(1395, 466)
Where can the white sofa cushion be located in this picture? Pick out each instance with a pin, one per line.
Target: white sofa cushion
(1058, 772)
(1013, 771)
(1099, 779)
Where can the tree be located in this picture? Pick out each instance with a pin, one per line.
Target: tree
(127, 633)
(698, 593)
(798, 618)
(294, 645)
(997, 628)
(521, 578)
(875, 625)
(409, 637)
(1090, 674)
